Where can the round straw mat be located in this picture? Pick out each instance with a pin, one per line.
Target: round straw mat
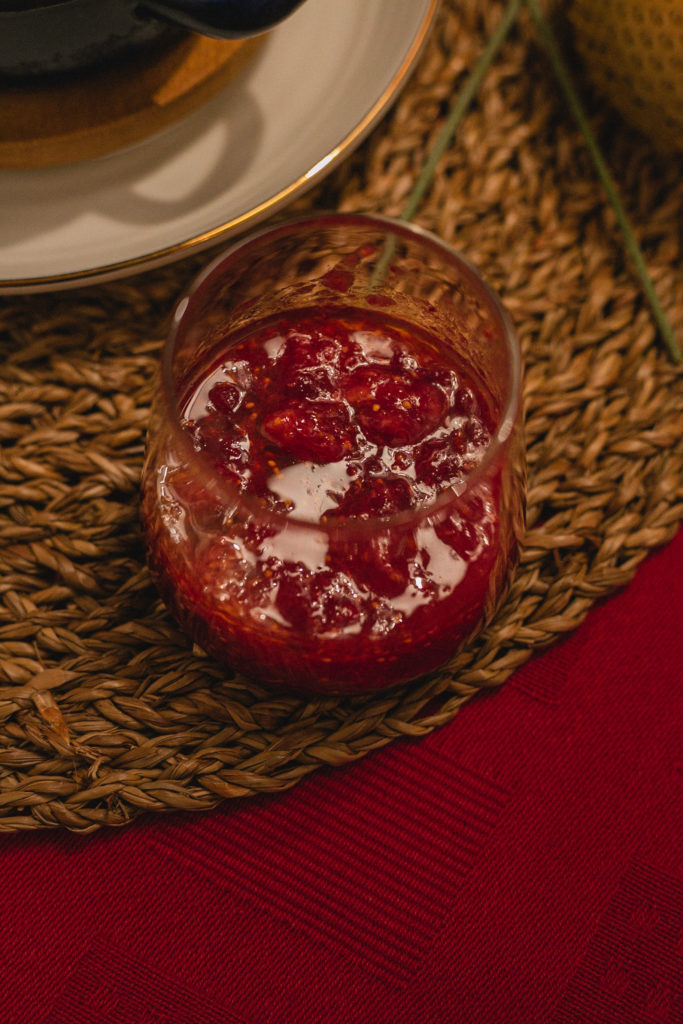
(105, 709)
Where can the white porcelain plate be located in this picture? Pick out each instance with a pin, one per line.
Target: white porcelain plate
(319, 84)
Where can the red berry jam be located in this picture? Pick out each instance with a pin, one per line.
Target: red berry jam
(334, 433)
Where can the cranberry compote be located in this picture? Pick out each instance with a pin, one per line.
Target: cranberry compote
(343, 432)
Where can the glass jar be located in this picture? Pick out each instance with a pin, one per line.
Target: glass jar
(333, 492)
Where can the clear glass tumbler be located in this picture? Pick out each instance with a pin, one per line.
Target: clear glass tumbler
(333, 492)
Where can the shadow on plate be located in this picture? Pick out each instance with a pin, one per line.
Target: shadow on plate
(166, 177)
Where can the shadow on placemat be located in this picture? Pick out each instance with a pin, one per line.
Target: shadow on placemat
(105, 711)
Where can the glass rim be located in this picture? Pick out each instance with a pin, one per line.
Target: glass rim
(238, 500)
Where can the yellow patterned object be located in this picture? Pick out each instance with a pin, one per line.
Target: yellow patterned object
(633, 54)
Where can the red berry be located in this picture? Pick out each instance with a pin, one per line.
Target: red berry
(381, 561)
(373, 496)
(222, 570)
(226, 444)
(312, 361)
(225, 397)
(204, 508)
(307, 367)
(467, 528)
(458, 534)
(439, 461)
(316, 602)
(391, 410)
(361, 385)
(255, 533)
(313, 431)
(464, 402)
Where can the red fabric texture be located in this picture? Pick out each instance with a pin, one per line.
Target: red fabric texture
(522, 864)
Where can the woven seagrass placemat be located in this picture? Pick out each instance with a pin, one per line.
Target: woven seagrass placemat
(105, 710)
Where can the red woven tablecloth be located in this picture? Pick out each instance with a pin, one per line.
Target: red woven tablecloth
(523, 864)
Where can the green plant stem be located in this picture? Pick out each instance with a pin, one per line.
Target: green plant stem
(549, 41)
(455, 116)
(459, 108)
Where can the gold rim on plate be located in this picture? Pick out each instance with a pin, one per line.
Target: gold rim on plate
(253, 216)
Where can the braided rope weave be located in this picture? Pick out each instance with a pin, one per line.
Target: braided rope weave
(105, 710)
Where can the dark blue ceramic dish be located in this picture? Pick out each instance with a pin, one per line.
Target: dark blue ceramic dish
(65, 36)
